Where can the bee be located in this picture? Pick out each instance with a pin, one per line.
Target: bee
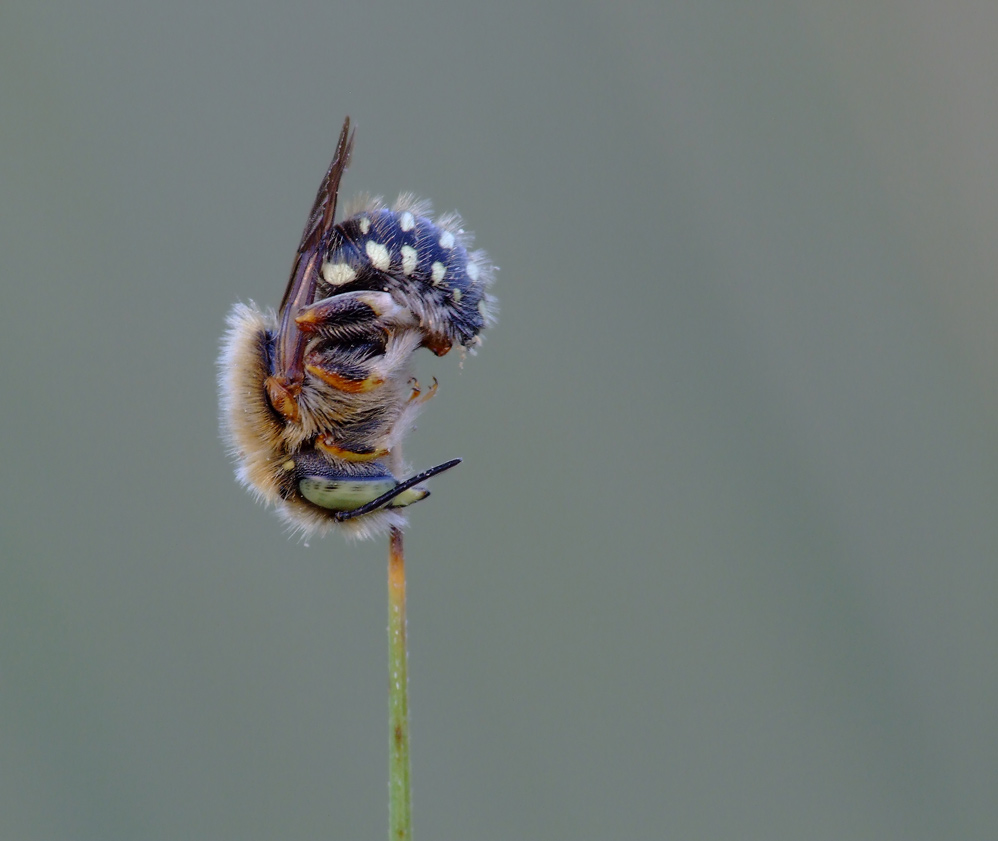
(316, 398)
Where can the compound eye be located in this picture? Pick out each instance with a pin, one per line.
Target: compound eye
(348, 494)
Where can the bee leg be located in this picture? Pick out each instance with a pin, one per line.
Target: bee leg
(327, 444)
(351, 314)
(352, 369)
(402, 489)
(283, 396)
(416, 391)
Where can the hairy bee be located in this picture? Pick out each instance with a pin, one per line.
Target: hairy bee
(316, 398)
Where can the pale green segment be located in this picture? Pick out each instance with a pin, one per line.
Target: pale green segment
(345, 495)
(408, 497)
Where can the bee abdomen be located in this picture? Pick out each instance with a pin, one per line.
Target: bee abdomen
(426, 265)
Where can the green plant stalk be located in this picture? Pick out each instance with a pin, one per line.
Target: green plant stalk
(399, 791)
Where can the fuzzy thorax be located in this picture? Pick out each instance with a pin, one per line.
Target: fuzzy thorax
(261, 444)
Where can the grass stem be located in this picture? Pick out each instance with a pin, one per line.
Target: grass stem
(399, 792)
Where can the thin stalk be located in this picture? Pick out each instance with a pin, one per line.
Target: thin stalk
(399, 792)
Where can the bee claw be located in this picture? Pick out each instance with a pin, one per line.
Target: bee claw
(417, 393)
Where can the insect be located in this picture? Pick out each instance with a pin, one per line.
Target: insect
(317, 397)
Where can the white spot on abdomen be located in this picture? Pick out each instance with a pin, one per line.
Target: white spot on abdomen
(437, 272)
(378, 255)
(336, 274)
(365, 224)
(472, 271)
(447, 240)
(406, 221)
(409, 258)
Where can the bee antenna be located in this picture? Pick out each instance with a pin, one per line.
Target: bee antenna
(402, 487)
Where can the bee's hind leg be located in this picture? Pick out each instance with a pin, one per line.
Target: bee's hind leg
(352, 315)
(327, 444)
(354, 368)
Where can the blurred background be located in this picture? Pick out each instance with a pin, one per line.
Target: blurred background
(721, 559)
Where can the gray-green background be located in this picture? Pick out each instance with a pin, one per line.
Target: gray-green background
(720, 562)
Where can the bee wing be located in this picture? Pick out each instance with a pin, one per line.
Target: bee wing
(320, 220)
(290, 343)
